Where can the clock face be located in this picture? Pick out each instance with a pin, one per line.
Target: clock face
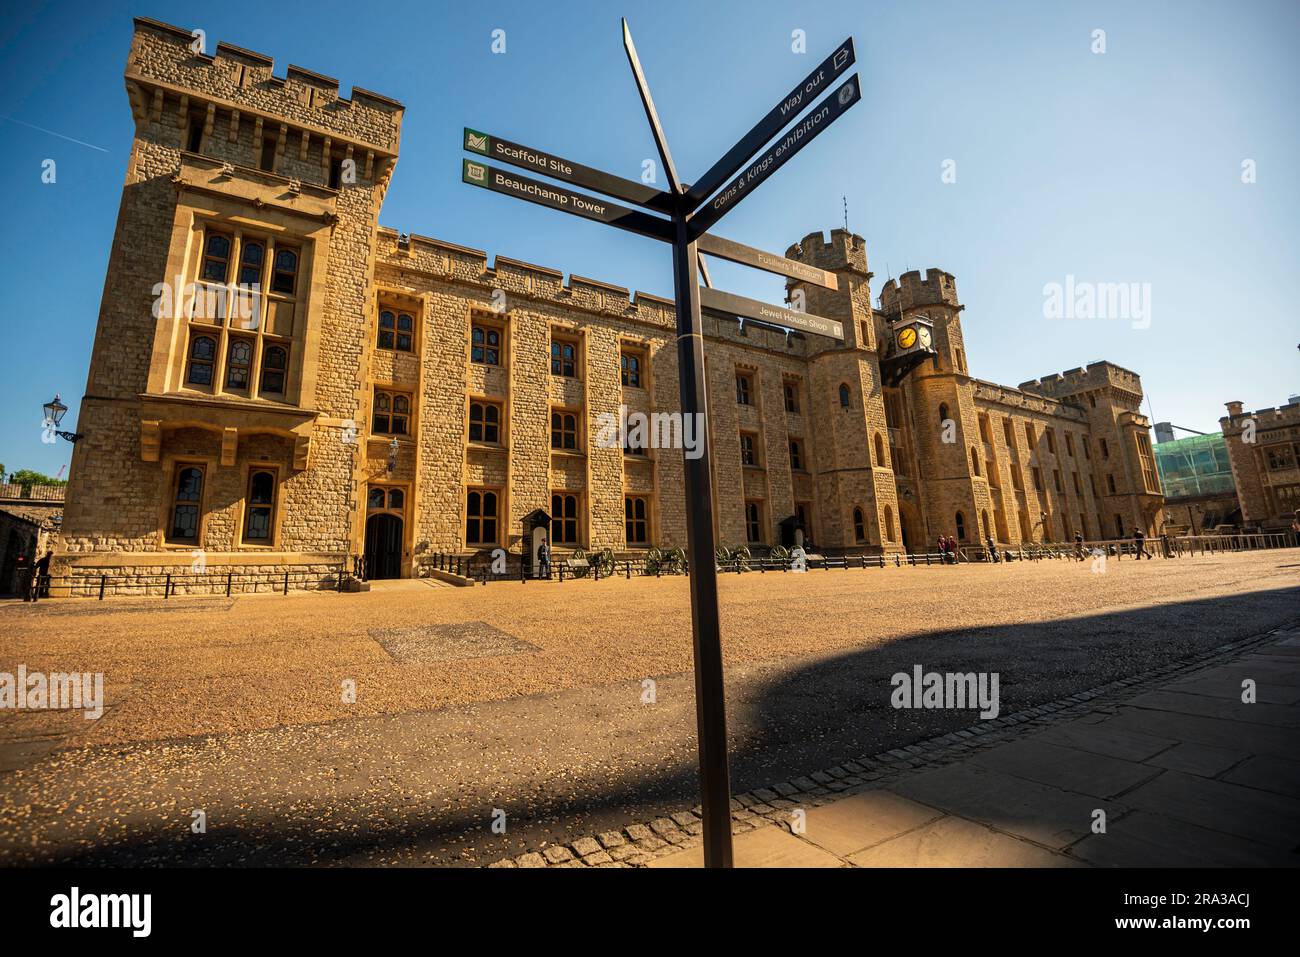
(925, 337)
(907, 338)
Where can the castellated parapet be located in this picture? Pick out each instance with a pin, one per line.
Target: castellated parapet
(938, 288)
(1097, 375)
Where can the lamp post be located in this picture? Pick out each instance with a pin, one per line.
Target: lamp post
(54, 413)
(393, 449)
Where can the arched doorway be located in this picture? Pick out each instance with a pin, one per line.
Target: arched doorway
(907, 526)
(383, 546)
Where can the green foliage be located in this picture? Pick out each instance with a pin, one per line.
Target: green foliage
(27, 478)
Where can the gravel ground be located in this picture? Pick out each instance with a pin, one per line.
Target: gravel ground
(528, 698)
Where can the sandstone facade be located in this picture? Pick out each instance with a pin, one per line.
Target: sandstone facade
(403, 396)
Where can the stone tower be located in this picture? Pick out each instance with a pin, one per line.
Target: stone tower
(205, 404)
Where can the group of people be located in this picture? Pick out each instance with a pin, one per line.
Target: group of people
(948, 549)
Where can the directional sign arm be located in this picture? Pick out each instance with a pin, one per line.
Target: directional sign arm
(775, 156)
(548, 164)
(651, 115)
(770, 262)
(809, 88)
(557, 197)
(774, 315)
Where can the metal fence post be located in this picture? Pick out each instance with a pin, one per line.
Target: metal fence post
(167, 586)
(103, 580)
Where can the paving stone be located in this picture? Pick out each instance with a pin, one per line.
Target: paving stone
(785, 789)
(765, 847)
(1140, 839)
(595, 860)
(503, 863)
(956, 842)
(1200, 759)
(1073, 770)
(853, 823)
(531, 860)
(683, 818)
(804, 784)
(662, 826)
(1271, 819)
(650, 844)
(638, 832)
(821, 777)
(612, 839)
(585, 845)
(623, 852)
(557, 854)
(1268, 774)
(765, 795)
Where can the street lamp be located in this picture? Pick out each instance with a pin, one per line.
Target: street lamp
(54, 413)
(393, 449)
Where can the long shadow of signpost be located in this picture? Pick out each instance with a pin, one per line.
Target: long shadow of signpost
(787, 719)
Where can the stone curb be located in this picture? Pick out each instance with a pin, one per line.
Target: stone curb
(638, 844)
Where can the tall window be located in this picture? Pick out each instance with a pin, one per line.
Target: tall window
(259, 508)
(1056, 481)
(753, 522)
(396, 331)
(1110, 483)
(748, 449)
(187, 500)
(1051, 441)
(485, 345)
(1119, 526)
(216, 258)
(879, 444)
(791, 396)
(1038, 479)
(943, 413)
(392, 413)
(960, 520)
(485, 422)
(203, 353)
(636, 520)
(796, 455)
(630, 369)
(238, 363)
(889, 523)
(564, 518)
(844, 396)
(1069, 445)
(275, 364)
(564, 431)
(974, 462)
(1009, 435)
(284, 276)
(481, 517)
(744, 388)
(859, 527)
(1105, 449)
(564, 357)
(247, 283)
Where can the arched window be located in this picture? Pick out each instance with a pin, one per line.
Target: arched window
(395, 499)
(275, 363)
(859, 528)
(203, 351)
(239, 359)
(187, 499)
(889, 523)
(636, 524)
(943, 412)
(250, 263)
(484, 422)
(974, 462)
(485, 345)
(961, 527)
(844, 395)
(564, 431)
(216, 258)
(880, 451)
(284, 277)
(259, 507)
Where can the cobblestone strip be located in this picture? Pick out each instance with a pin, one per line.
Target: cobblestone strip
(638, 844)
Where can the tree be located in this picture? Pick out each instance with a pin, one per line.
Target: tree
(27, 478)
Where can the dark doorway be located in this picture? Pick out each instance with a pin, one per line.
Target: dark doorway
(383, 546)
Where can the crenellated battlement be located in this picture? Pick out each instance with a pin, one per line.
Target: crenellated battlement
(1097, 375)
(164, 64)
(844, 250)
(452, 263)
(938, 288)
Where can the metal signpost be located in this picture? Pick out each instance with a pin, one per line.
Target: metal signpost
(688, 212)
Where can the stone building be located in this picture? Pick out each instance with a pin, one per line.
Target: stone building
(378, 393)
(1264, 449)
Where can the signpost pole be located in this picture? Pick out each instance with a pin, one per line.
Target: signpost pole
(710, 700)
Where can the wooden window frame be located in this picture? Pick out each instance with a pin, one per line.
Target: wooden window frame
(391, 412)
(271, 507)
(561, 431)
(174, 501)
(390, 330)
(569, 367)
(631, 522)
(563, 524)
(482, 517)
(488, 329)
(484, 405)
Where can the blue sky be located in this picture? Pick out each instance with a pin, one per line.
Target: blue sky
(1117, 167)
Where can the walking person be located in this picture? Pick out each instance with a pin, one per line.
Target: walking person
(1140, 543)
(41, 576)
(993, 549)
(1078, 546)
